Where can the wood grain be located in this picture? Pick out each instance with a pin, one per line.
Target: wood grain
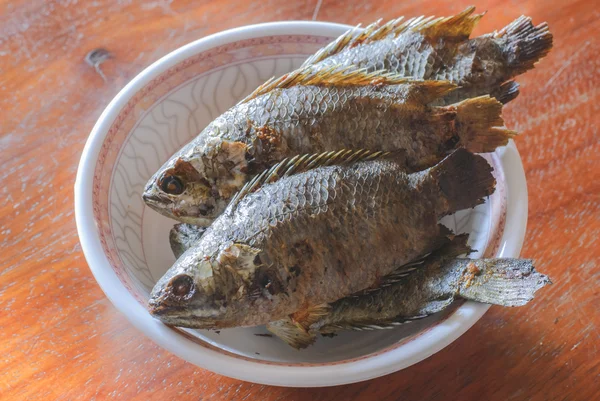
(63, 340)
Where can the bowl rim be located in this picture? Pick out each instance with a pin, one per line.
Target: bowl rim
(369, 367)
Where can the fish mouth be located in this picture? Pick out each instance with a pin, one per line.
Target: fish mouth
(151, 200)
(190, 215)
(180, 317)
(158, 309)
(157, 204)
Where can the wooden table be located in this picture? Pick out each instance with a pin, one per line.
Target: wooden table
(61, 339)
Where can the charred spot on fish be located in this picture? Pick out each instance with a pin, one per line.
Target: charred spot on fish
(302, 249)
(268, 143)
(268, 135)
(204, 209)
(267, 281)
(477, 66)
(172, 185)
(186, 170)
(452, 142)
(221, 297)
(181, 285)
(295, 270)
(253, 167)
(204, 182)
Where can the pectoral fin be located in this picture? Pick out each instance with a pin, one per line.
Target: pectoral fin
(292, 333)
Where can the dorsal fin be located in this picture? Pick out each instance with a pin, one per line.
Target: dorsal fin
(354, 37)
(299, 164)
(458, 26)
(369, 326)
(373, 32)
(333, 75)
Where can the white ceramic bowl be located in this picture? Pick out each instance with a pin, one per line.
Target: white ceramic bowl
(126, 244)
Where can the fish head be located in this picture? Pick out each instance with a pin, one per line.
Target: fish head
(213, 291)
(195, 185)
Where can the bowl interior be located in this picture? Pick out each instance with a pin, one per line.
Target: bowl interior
(166, 114)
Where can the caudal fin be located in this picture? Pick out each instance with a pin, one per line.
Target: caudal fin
(506, 282)
(463, 179)
(524, 44)
(479, 124)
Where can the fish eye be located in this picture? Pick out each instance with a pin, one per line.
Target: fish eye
(171, 185)
(181, 285)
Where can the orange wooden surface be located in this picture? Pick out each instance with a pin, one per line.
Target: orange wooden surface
(61, 339)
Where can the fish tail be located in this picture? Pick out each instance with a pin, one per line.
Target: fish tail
(524, 44)
(463, 179)
(479, 124)
(506, 92)
(505, 282)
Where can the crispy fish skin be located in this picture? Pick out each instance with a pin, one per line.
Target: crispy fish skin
(411, 295)
(440, 49)
(336, 110)
(315, 236)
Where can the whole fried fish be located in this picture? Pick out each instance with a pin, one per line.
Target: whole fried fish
(440, 48)
(416, 291)
(305, 113)
(435, 282)
(315, 229)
